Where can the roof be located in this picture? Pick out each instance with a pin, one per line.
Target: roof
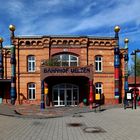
(131, 80)
(63, 36)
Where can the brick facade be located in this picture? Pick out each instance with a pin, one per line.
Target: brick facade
(85, 48)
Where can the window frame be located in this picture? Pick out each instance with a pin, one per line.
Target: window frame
(33, 91)
(31, 62)
(98, 63)
(68, 61)
(98, 88)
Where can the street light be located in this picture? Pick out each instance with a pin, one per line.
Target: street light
(135, 76)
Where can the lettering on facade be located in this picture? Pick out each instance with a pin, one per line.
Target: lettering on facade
(67, 70)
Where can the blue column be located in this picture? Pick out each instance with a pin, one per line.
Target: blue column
(1, 60)
(126, 88)
(117, 65)
(1, 67)
(13, 94)
(13, 75)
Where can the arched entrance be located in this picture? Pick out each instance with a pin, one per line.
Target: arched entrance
(67, 86)
(65, 94)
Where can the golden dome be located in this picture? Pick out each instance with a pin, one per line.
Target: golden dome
(1, 39)
(12, 27)
(126, 40)
(117, 29)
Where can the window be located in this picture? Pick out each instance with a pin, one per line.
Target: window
(98, 64)
(66, 60)
(31, 91)
(31, 63)
(99, 88)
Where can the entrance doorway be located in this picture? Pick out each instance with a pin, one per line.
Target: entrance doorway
(5, 85)
(65, 94)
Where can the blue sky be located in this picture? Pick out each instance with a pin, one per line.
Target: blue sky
(72, 17)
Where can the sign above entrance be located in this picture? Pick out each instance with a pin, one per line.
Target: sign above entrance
(66, 71)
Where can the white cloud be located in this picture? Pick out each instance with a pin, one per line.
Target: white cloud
(13, 7)
(57, 17)
(119, 15)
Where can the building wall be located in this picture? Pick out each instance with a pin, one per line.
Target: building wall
(84, 47)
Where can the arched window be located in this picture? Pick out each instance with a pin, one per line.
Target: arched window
(99, 88)
(66, 60)
(31, 63)
(31, 91)
(98, 63)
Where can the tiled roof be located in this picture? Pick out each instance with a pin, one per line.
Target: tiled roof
(63, 36)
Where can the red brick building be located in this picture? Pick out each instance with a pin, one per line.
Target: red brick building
(66, 64)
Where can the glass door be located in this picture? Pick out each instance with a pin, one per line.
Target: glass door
(75, 96)
(58, 97)
(55, 97)
(68, 94)
(61, 97)
(65, 95)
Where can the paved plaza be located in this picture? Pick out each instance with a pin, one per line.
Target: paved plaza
(108, 124)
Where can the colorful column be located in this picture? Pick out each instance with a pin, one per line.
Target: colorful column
(42, 105)
(46, 91)
(126, 88)
(90, 94)
(1, 59)
(13, 93)
(117, 65)
(1, 67)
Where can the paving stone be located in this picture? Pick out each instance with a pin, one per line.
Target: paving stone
(118, 124)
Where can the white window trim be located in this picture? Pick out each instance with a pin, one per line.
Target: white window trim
(98, 61)
(98, 88)
(31, 61)
(69, 60)
(31, 88)
(58, 87)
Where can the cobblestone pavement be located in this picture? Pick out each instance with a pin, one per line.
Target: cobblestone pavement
(34, 111)
(110, 124)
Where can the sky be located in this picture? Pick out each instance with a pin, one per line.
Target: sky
(72, 17)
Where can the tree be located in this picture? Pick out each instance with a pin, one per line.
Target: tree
(132, 66)
(50, 62)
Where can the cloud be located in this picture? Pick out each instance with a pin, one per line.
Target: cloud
(96, 17)
(121, 14)
(12, 7)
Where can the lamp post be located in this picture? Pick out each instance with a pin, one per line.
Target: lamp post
(135, 75)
